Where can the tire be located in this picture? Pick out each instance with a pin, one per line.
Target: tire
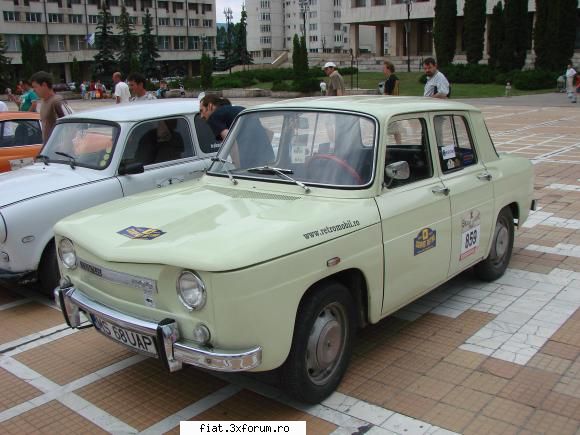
(496, 263)
(312, 370)
(48, 273)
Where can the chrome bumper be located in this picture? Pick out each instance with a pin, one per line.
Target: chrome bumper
(170, 349)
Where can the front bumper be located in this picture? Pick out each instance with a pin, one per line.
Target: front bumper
(170, 349)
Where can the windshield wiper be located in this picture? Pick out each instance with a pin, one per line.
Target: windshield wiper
(71, 162)
(45, 159)
(231, 177)
(280, 172)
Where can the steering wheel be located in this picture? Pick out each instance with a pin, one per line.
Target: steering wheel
(340, 162)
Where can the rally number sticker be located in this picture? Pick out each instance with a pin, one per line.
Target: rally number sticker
(470, 233)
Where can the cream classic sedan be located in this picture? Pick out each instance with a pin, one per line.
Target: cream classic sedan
(317, 217)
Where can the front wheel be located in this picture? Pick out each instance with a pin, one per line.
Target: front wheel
(322, 344)
(500, 253)
(48, 273)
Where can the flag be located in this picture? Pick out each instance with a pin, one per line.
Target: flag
(90, 39)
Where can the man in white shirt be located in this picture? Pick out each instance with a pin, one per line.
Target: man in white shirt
(122, 93)
(437, 85)
(570, 76)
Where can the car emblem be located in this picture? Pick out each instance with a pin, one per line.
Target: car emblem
(141, 233)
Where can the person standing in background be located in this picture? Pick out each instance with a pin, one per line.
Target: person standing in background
(391, 86)
(136, 83)
(335, 85)
(570, 80)
(122, 94)
(437, 85)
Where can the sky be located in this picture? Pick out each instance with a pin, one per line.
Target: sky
(236, 6)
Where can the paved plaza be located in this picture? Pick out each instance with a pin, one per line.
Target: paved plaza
(470, 357)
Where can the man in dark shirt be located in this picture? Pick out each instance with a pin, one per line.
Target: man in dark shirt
(252, 147)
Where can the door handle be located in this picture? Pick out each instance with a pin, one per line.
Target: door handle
(443, 190)
(484, 176)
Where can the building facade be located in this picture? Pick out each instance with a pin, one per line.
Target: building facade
(184, 29)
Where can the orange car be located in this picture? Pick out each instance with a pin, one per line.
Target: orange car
(20, 139)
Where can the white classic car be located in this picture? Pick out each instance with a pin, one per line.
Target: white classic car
(317, 217)
(93, 157)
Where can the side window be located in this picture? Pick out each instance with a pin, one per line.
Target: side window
(454, 143)
(159, 141)
(20, 132)
(205, 137)
(407, 142)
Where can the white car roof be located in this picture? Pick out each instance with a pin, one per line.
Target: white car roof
(378, 105)
(141, 110)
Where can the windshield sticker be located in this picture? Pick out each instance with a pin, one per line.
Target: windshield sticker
(331, 229)
(470, 233)
(141, 233)
(298, 154)
(450, 164)
(448, 152)
(425, 240)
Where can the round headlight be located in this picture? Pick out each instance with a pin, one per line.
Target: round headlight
(67, 254)
(191, 290)
(201, 334)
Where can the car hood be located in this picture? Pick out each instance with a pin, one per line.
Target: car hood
(38, 179)
(213, 228)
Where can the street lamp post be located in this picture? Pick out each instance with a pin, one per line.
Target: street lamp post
(227, 53)
(408, 32)
(304, 9)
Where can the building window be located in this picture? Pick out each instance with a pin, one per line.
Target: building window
(93, 19)
(11, 16)
(313, 38)
(193, 22)
(179, 42)
(337, 3)
(265, 28)
(313, 26)
(55, 18)
(128, 3)
(336, 14)
(313, 14)
(56, 43)
(12, 43)
(177, 6)
(178, 22)
(193, 7)
(205, 7)
(163, 5)
(33, 17)
(146, 4)
(193, 43)
(115, 19)
(313, 2)
(359, 3)
(133, 20)
(207, 23)
(265, 4)
(265, 39)
(265, 16)
(163, 42)
(75, 19)
(163, 21)
(77, 42)
(379, 2)
(266, 52)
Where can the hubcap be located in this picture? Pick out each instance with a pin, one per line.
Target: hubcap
(501, 242)
(326, 343)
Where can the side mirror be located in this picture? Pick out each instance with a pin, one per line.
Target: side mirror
(131, 168)
(398, 171)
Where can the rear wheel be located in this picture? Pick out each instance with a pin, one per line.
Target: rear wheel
(48, 273)
(502, 244)
(322, 344)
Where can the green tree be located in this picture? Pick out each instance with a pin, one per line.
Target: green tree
(444, 32)
(566, 32)
(149, 51)
(544, 42)
(128, 43)
(206, 71)
(4, 65)
(303, 56)
(496, 35)
(33, 55)
(474, 13)
(75, 72)
(104, 65)
(516, 37)
(240, 54)
(296, 49)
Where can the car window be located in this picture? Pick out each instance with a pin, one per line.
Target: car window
(89, 144)
(20, 132)
(318, 147)
(158, 141)
(407, 141)
(454, 144)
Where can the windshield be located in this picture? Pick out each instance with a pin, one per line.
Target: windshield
(328, 148)
(87, 144)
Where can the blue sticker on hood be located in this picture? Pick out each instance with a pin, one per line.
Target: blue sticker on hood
(141, 233)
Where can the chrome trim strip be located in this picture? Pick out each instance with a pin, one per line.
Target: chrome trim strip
(133, 281)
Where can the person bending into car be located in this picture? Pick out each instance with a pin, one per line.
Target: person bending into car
(53, 105)
(252, 146)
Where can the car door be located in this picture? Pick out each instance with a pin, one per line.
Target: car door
(166, 150)
(415, 217)
(469, 186)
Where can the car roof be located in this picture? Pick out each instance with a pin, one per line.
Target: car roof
(378, 105)
(141, 110)
(19, 115)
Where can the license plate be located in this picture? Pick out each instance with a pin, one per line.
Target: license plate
(136, 340)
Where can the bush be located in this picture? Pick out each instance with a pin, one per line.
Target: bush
(306, 85)
(469, 73)
(227, 82)
(348, 71)
(534, 79)
(279, 85)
